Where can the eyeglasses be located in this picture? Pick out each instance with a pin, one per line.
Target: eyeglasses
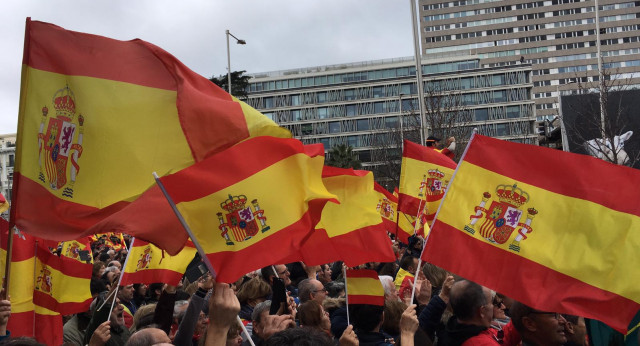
(498, 303)
(322, 290)
(555, 315)
(283, 272)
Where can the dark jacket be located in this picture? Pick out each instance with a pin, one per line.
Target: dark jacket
(430, 316)
(373, 338)
(119, 334)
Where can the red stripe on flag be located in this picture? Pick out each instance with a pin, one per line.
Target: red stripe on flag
(422, 153)
(65, 265)
(362, 273)
(329, 171)
(64, 308)
(561, 293)
(47, 328)
(58, 219)
(149, 276)
(362, 299)
(598, 186)
(384, 191)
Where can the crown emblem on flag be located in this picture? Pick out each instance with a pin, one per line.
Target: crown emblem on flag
(145, 259)
(435, 174)
(503, 217)
(60, 145)
(43, 282)
(240, 223)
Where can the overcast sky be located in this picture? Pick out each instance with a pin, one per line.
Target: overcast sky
(280, 34)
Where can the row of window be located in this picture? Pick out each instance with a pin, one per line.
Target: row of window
(361, 76)
(564, 12)
(518, 6)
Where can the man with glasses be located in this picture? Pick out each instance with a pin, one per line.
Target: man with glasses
(473, 312)
(538, 327)
(311, 289)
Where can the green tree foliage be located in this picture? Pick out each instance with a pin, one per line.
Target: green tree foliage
(342, 156)
(239, 83)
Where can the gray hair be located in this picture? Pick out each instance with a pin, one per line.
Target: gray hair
(259, 309)
(305, 288)
(387, 283)
(179, 313)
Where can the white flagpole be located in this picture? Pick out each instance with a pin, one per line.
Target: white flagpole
(124, 266)
(346, 293)
(195, 241)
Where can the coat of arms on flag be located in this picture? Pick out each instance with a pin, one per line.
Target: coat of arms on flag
(56, 146)
(435, 184)
(503, 216)
(43, 282)
(241, 220)
(145, 259)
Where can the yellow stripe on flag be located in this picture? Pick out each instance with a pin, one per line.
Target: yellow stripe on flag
(112, 169)
(64, 288)
(149, 256)
(259, 124)
(415, 172)
(282, 208)
(364, 286)
(547, 243)
(357, 208)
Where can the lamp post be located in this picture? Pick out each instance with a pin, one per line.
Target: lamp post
(424, 131)
(238, 41)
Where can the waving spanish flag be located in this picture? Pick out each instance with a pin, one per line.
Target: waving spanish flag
(424, 176)
(387, 207)
(252, 205)
(97, 116)
(148, 264)
(364, 287)
(554, 230)
(351, 231)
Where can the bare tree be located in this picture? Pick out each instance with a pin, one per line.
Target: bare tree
(599, 124)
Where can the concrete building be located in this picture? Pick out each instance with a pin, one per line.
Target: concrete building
(358, 103)
(557, 37)
(7, 161)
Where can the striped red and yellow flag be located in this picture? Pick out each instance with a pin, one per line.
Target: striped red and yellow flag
(253, 204)
(387, 207)
(364, 287)
(424, 176)
(148, 264)
(27, 318)
(79, 250)
(554, 230)
(98, 116)
(351, 231)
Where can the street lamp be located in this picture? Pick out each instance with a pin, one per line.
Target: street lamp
(238, 41)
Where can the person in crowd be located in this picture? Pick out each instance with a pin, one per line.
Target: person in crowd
(575, 330)
(408, 267)
(5, 312)
(311, 289)
(312, 315)
(500, 319)
(324, 274)
(98, 269)
(252, 293)
(139, 295)
(143, 317)
(538, 327)
(148, 337)
(100, 308)
(367, 321)
(116, 264)
(431, 316)
(393, 310)
(448, 150)
(281, 271)
(265, 325)
(473, 312)
(300, 336)
(125, 294)
(335, 289)
(73, 331)
(390, 291)
(435, 275)
(193, 323)
(153, 292)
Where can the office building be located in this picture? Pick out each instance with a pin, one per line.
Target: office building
(7, 161)
(359, 103)
(557, 37)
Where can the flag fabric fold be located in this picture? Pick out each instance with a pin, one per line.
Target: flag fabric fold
(148, 264)
(253, 204)
(554, 230)
(424, 176)
(351, 231)
(364, 287)
(98, 116)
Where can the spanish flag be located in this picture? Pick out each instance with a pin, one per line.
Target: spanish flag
(364, 287)
(554, 230)
(251, 205)
(27, 318)
(79, 250)
(424, 176)
(387, 207)
(351, 231)
(148, 264)
(97, 116)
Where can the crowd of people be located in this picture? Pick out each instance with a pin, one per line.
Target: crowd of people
(295, 304)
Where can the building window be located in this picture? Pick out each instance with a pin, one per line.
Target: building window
(362, 124)
(334, 127)
(351, 110)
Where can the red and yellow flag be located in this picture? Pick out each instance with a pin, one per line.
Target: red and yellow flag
(351, 231)
(148, 264)
(424, 176)
(364, 287)
(387, 207)
(554, 230)
(253, 204)
(98, 116)
(27, 318)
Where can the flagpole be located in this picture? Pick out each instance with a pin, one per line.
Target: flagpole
(35, 265)
(346, 293)
(195, 242)
(7, 263)
(475, 131)
(124, 267)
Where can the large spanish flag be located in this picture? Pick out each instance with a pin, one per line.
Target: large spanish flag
(98, 116)
(148, 264)
(364, 287)
(351, 231)
(252, 205)
(27, 318)
(387, 207)
(554, 230)
(424, 176)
